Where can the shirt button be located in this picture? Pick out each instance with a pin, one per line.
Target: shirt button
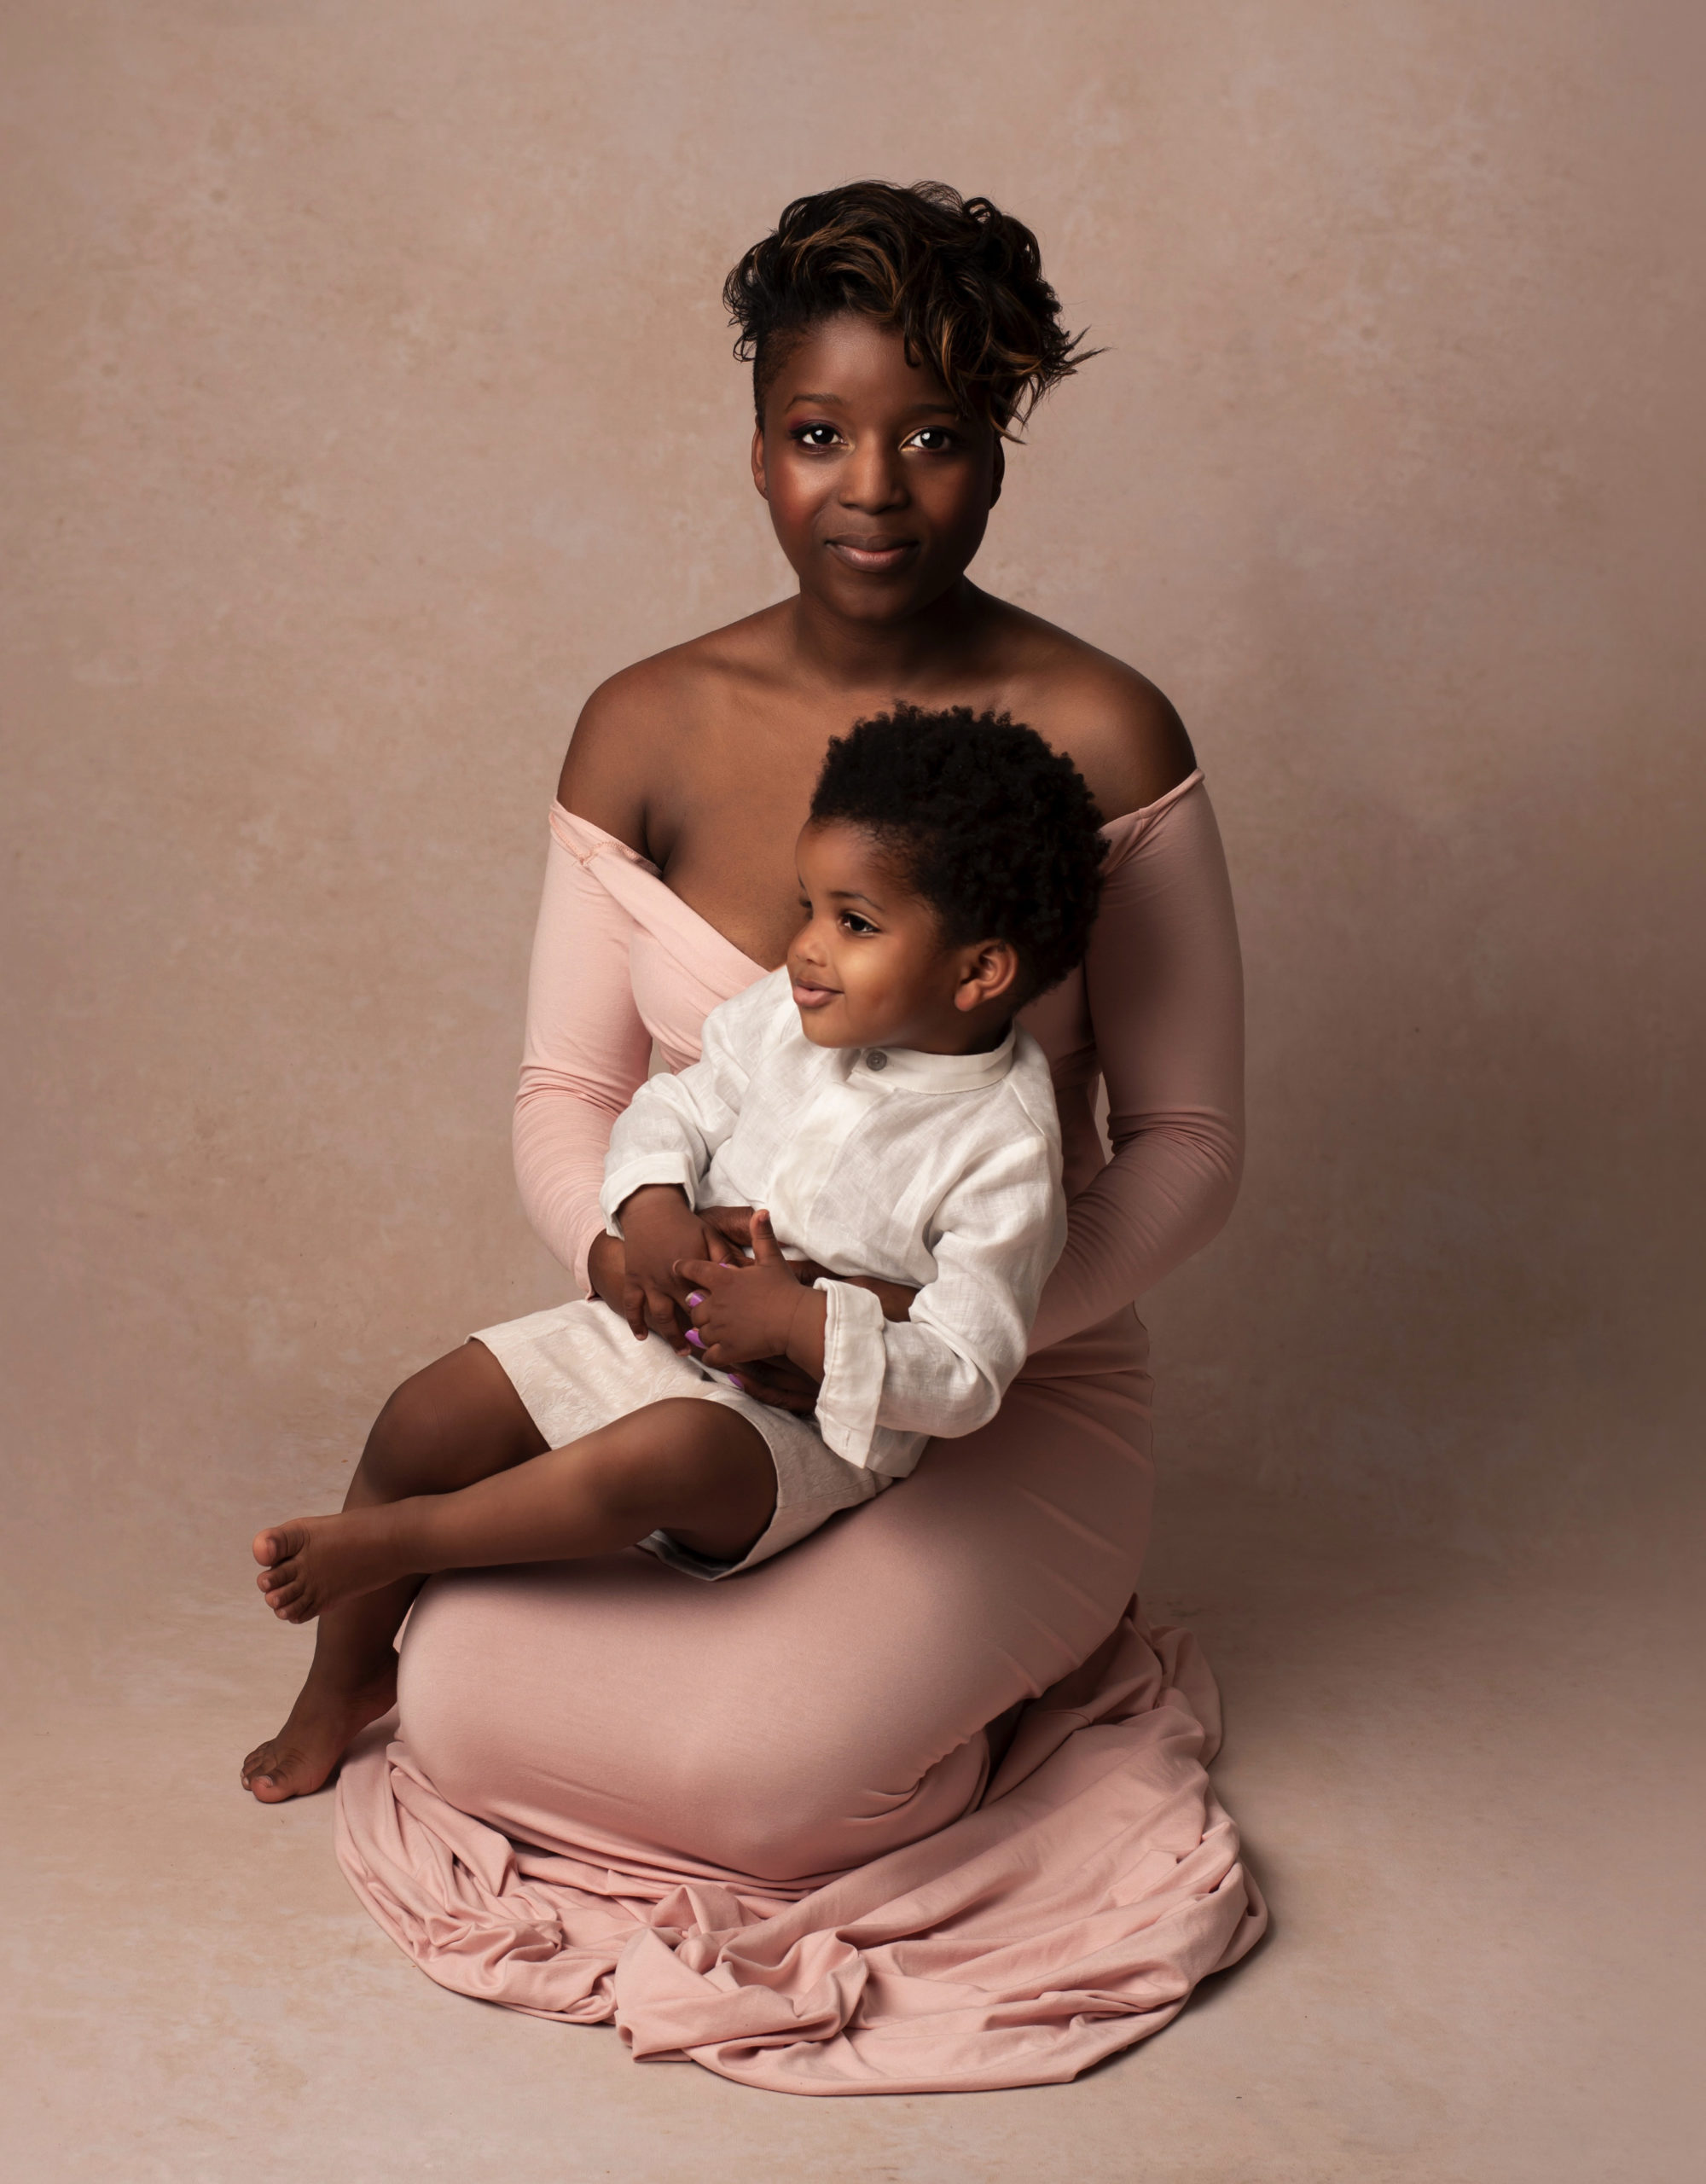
(876, 1059)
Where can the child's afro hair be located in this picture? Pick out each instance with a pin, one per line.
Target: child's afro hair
(996, 832)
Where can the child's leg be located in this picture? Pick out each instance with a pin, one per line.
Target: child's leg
(697, 1470)
(457, 1421)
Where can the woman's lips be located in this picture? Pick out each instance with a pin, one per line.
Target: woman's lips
(809, 996)
(873, 556)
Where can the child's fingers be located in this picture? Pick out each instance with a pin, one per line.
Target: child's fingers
(766, 1250)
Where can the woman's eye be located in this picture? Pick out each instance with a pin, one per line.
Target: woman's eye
(934, 439)
(816, 435)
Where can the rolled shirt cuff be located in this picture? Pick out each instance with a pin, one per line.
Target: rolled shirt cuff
(856, 1361)
(633, 1174)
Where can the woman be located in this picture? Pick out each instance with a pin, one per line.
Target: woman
(920, 1804)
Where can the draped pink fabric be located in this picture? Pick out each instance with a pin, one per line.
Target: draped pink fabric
(922, 1805)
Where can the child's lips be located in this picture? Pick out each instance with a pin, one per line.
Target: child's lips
(812, 997)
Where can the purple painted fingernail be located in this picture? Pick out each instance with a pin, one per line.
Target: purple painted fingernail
(735, 1381)
(695, 1337)
(693, 1296)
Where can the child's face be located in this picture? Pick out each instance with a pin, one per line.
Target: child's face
(869, 966)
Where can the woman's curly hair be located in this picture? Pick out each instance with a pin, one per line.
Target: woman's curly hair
(999, 833)
(961, 280)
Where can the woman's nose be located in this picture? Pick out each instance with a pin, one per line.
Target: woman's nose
(873, 479)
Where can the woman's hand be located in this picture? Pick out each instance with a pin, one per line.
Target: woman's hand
(659, 1228)
(607, 1271)
(759, 1310)
(771, 1380)
(734, 1223)
(895, 1298)
(782, 1385)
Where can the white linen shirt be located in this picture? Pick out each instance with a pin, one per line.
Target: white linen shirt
(939, 1171)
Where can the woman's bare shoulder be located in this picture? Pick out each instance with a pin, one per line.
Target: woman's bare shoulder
(634, 722)
(1123, 734)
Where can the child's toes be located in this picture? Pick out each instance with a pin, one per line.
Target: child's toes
(277, 1543)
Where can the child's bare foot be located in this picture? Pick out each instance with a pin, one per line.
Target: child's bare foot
(324, 1723)
(312, 1563)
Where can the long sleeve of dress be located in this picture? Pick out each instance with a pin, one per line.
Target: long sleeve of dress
(1165, 988)
(586, 1053)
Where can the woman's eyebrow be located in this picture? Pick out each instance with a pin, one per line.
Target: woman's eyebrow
(918, 409)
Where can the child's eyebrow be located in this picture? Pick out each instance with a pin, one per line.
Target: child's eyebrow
(853, 895)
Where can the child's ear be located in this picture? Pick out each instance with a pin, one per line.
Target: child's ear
(987, 972)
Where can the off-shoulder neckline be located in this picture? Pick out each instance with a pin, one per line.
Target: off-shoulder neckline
(1118, 832)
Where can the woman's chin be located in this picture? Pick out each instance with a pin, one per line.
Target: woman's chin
(882, 598)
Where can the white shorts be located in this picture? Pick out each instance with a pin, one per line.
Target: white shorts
(578, 1367)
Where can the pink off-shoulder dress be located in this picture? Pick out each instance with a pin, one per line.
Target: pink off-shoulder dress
(921, 1804)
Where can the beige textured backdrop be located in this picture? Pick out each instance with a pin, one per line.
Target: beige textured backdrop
(372, 401)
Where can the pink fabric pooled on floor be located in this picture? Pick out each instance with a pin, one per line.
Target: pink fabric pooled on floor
(921, 1804)
(1069, 1913)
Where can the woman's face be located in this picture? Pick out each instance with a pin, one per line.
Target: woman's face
(879, 487)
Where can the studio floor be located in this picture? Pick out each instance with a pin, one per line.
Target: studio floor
(1463, 1792)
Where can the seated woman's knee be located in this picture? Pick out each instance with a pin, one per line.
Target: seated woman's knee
(782, 1815)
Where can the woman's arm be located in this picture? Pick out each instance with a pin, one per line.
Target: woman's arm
(1166, 994)
(585, 1055)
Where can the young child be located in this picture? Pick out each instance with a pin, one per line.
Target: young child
(877, 1104)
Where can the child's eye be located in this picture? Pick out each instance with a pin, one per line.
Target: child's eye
(854, 923)
(817, 436)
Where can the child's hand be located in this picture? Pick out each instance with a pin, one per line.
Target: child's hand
(734, 1223)
(740, 1313)
(658, 1229)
